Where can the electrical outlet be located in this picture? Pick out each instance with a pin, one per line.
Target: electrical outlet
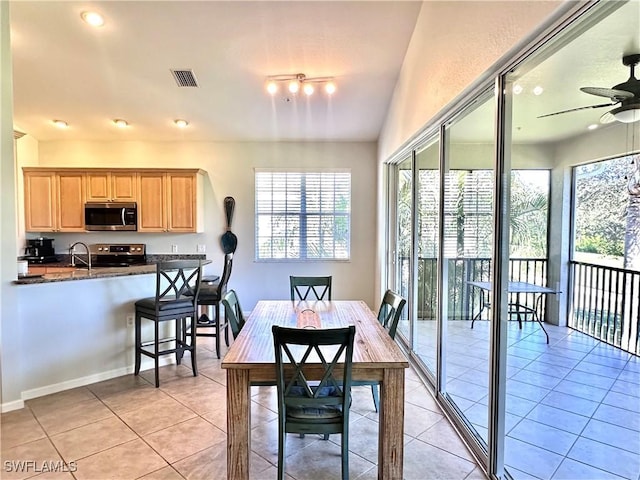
(202, 249)
(174, 248)
(130, 318)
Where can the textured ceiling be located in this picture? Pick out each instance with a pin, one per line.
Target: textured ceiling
(64, 69)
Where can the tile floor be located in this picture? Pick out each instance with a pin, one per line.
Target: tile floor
(124, 428)
(572, 406)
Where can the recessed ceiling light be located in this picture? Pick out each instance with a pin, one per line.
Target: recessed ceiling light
(93, 18)
(60, 123)
(181, 123)
(538, 90)
(120, 123)
(517, 89)
(593, 126)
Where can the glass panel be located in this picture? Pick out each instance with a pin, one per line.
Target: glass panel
(404, 208)
(428, 191)
(559, 415)
(468, 237)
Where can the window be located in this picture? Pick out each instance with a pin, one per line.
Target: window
(303, 215)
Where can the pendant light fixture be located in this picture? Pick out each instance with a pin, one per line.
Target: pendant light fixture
(300, 82)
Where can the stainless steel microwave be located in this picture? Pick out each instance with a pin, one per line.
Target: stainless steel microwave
(111, 216)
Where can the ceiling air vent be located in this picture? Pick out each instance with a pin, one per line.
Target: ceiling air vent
(185, 78)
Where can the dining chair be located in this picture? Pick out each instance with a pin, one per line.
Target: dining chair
(177, 290)
(306, 406)
(211, 296)
(301, 287)
(233, 312)
(388, 316)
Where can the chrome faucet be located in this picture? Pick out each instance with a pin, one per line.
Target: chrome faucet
(74, 257)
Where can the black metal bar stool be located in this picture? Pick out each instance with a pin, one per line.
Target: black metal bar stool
(177, 289)
(210, 299)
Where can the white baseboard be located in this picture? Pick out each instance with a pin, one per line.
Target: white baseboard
(79, 382)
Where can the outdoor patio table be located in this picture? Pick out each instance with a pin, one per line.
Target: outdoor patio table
(375, 357)
(516, 307)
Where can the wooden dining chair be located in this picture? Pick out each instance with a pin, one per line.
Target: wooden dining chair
(306, 406)
(388, 315)
(301, 287)
(211, 296)
(233, 312)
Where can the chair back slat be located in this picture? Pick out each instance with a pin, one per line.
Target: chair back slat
(302, 287)
(178, 280)
(226, 274)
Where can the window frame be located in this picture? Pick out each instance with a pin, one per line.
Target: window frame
(303, 217)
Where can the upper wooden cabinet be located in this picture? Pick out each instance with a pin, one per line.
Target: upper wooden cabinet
(111, 186)
(54, 201)
(168, 200)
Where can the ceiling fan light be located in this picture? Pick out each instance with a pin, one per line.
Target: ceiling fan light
(627, 113)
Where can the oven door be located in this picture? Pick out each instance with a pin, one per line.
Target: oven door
(110, 216)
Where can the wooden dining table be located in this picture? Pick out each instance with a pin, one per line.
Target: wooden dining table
(376, 356)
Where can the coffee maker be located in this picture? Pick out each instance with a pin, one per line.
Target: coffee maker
(40, 250)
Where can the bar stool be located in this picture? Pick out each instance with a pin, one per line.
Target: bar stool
(211, 296)
(177, 289)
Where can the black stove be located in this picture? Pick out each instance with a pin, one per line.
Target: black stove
(118, 254)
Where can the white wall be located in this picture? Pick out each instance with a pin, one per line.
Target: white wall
(75, 333)
(10, 328)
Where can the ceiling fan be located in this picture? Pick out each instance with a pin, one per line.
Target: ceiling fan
(627, 94)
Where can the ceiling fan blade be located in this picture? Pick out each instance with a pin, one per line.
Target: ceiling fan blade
(576, 109)
(617, 95)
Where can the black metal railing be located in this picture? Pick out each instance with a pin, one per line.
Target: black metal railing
(463, 299)
(605, 304)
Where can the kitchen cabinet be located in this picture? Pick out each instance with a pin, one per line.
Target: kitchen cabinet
(54, 201)
(111, 186)
(170, 201)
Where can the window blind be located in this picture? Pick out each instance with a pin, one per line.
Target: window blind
(303, 215)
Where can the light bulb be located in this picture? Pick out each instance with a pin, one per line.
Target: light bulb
(294, 86)
(93, 18)
(120, 123)
(308, 88)
(272, 87)
(60, 123)
(538, 90)
(517, 89)
(330, 88)
(181, 123)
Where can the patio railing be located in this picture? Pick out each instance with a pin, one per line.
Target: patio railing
(605, 301)
(464, 300)
(605, 304)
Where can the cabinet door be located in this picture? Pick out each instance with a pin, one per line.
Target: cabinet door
(123, 187)
(40, 201)
(181, 189)
(98, 187)
(152, 200)
(71, 198)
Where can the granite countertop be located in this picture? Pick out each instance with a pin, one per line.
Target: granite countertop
(103, 272)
